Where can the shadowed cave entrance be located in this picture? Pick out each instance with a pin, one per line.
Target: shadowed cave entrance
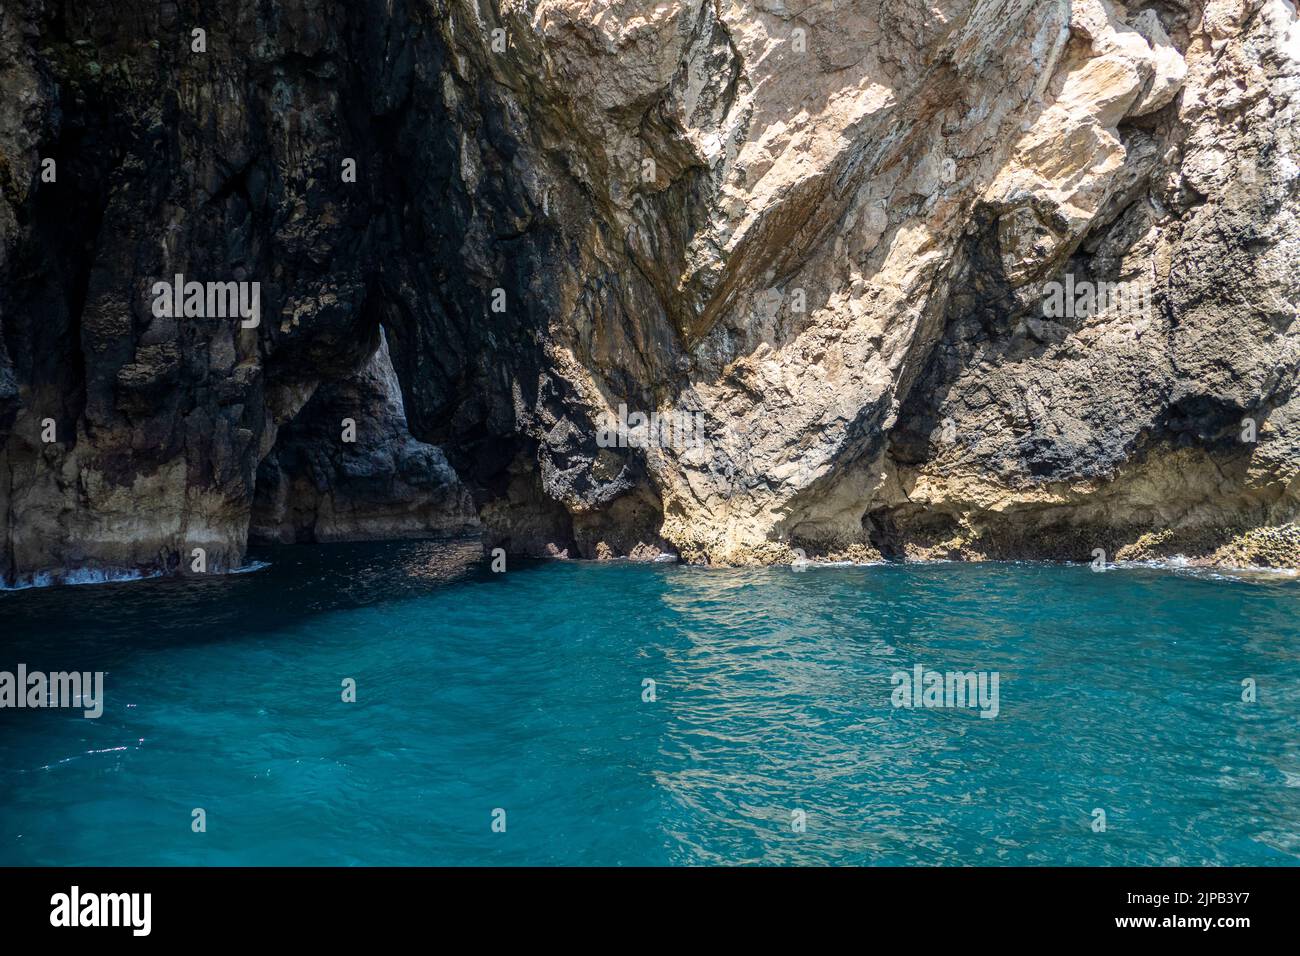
(346, 468)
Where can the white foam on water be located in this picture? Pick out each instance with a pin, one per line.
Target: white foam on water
(45, 579)
(82, 576)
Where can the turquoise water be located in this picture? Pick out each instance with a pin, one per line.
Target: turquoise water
(523, 691)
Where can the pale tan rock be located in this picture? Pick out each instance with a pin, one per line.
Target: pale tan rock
(857, 173)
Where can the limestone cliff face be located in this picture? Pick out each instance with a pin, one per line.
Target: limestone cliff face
(830, 233)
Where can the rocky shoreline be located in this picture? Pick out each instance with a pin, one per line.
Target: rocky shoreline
(983, 280)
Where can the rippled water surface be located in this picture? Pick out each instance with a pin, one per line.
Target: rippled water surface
(524, 691)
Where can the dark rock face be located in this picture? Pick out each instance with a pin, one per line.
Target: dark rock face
(332, 477)
(226, 165)
(828, 236)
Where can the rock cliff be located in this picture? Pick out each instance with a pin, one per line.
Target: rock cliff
(972, 279)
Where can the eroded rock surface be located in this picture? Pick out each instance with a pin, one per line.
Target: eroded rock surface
(332, 477)
(828, 229)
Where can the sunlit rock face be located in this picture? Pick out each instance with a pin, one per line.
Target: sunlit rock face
(962, 279)
(834, 232)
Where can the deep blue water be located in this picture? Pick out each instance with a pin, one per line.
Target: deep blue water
(523, 691)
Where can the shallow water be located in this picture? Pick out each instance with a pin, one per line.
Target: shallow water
(524, 691)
